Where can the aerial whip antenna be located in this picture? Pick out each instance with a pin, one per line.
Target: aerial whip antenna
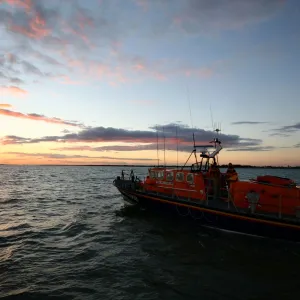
(191, 122)
(211, 117)
(177, 143)
(157, 146)
(190, 106)
(164, 147)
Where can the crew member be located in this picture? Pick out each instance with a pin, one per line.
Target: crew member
(214, 175)
(231, 174)
(214, 171)
(132, 176)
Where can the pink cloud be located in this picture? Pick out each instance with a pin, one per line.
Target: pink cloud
(199, 72)
(36, 25)
(13, 90)
(36, 117)
(64, 79)
(76, 148)
(81, 28)
(139, 66)
(84, 20)
(152, 71)
(27, 4)
(36, 29)
(78, 33)
(97, 70)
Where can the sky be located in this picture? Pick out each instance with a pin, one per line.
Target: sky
(119, 81)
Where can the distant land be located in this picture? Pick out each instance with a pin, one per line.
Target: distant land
(237, 166)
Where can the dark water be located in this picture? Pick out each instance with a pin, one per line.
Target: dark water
(65, 234)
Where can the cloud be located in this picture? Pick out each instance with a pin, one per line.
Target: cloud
(64, 156)
(14, 63)
(30, 68)
(279, 134)
(36, 117)
(258, 148)
(248, 123)
(68, 35)
(9, 79)
(290, 128)
(16, 80)
(5, 105)
(215, 15)
(29, 19)
(206, 17)
(143, 139)
(111, 148)
(286, 131)
(44, 58)
(64, 79)
(297, 145)
(13, 90)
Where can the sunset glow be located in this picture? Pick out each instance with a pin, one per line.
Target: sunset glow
(106, 82)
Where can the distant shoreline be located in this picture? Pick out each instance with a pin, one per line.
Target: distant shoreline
(151, 166)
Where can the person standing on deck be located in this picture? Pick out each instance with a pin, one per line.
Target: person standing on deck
(231, 174)
(214, 175)
(214, 171)
(131, 176)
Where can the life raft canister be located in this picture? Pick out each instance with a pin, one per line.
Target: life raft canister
(276, 180)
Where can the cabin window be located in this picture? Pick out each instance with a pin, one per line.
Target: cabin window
(190, 178)
(152, 174)
(179, 176)
(160, 174)
(170, 176)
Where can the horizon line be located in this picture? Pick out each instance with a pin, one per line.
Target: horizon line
(143, 166)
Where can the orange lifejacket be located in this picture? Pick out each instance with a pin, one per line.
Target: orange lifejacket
(231, 174)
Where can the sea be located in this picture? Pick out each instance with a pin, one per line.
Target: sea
(66, 233)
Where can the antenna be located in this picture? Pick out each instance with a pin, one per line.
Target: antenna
(194, 139)
(211, 117)
(195, 148)
(164, 147)
(157, 146)
(216, 141)
(192, 123)
(190, 106)
(177, 144)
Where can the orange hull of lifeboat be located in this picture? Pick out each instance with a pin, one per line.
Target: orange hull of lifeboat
(275, 194)
(194, 190)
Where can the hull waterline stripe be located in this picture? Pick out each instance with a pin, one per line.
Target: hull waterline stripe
(220, 212)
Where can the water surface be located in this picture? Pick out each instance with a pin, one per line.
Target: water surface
(65, 234)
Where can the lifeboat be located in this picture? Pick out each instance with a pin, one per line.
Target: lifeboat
(265, 206)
